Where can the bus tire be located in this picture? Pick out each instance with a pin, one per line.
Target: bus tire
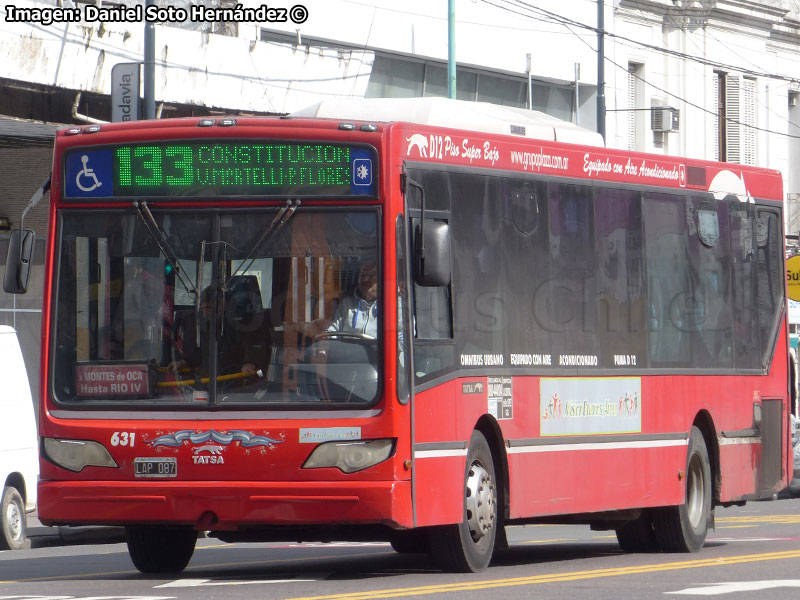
(683, 528)
(638, 535)
(467, 547)
(13, 530)
(408, 541)
(160, 549)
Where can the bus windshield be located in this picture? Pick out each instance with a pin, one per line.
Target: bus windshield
(206, 308)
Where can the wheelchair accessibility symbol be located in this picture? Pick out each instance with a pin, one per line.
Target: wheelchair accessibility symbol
(89, 173)
(86, 180)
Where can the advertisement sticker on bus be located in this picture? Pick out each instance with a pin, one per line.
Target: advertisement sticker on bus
(599, 164)
(580, 406)
(316, 435)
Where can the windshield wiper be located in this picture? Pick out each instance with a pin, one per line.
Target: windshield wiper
(157, 234)
(283, 216)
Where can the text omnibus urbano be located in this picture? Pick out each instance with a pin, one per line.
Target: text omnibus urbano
(305, 329)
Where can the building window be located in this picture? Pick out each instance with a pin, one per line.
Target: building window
(558, 101)
(502, 90)
(436, 83)
(395, 77)
(636, 116)
(720, 123)
(735, 138)
(748, 117)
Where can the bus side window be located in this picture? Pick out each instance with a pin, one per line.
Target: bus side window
(769, 260)
(667, 274)
(711, 290)
(746, 337)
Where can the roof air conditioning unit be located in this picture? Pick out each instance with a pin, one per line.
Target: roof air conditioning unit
(664, 118)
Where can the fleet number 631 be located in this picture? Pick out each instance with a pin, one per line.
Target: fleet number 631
(123, 438)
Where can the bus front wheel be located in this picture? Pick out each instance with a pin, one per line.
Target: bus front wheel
(160, 549)
(683, 528)
(467, 547)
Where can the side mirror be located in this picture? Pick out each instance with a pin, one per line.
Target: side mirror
(432, 254)
(18, 262)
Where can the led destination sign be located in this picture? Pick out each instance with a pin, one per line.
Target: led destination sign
(220, 168)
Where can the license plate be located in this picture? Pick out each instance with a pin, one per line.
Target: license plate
(156, 467)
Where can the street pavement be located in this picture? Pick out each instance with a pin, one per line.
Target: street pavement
(41, 536)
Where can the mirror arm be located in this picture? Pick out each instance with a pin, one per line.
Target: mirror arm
(37, 196)
(21, 248)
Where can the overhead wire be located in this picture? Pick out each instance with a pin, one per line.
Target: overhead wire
(733, 51)
(567, 23)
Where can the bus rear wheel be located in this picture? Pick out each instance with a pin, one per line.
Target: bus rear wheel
(684, 528)
(160, 549)
(467, 547)
(638, 535)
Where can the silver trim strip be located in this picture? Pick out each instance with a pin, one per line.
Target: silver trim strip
(616, 445)
(738, 441)
(440, 453)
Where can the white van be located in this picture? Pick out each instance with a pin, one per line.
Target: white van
(19, 458)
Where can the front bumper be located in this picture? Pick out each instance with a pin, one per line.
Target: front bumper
(225, 505)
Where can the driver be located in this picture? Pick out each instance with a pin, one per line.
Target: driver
(359, 313)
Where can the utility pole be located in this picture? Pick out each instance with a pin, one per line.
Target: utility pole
(529, 66)
(149, 67)
(451, 49)
(601, 54)
(577, 93)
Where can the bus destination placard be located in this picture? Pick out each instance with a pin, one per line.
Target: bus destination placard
(213, 168)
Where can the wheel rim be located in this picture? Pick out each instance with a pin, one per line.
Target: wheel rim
(481, 501)
(695, 491)
(14, 520)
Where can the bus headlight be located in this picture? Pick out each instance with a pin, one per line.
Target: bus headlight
(74, 455)
(350, 457)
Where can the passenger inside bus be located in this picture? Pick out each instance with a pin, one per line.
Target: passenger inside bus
(242, 339)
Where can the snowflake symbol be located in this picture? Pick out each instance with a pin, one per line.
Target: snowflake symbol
(362, 172)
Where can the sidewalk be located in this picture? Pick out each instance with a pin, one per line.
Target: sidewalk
(41, 536)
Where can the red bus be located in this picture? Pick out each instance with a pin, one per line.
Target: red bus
(363, 327)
